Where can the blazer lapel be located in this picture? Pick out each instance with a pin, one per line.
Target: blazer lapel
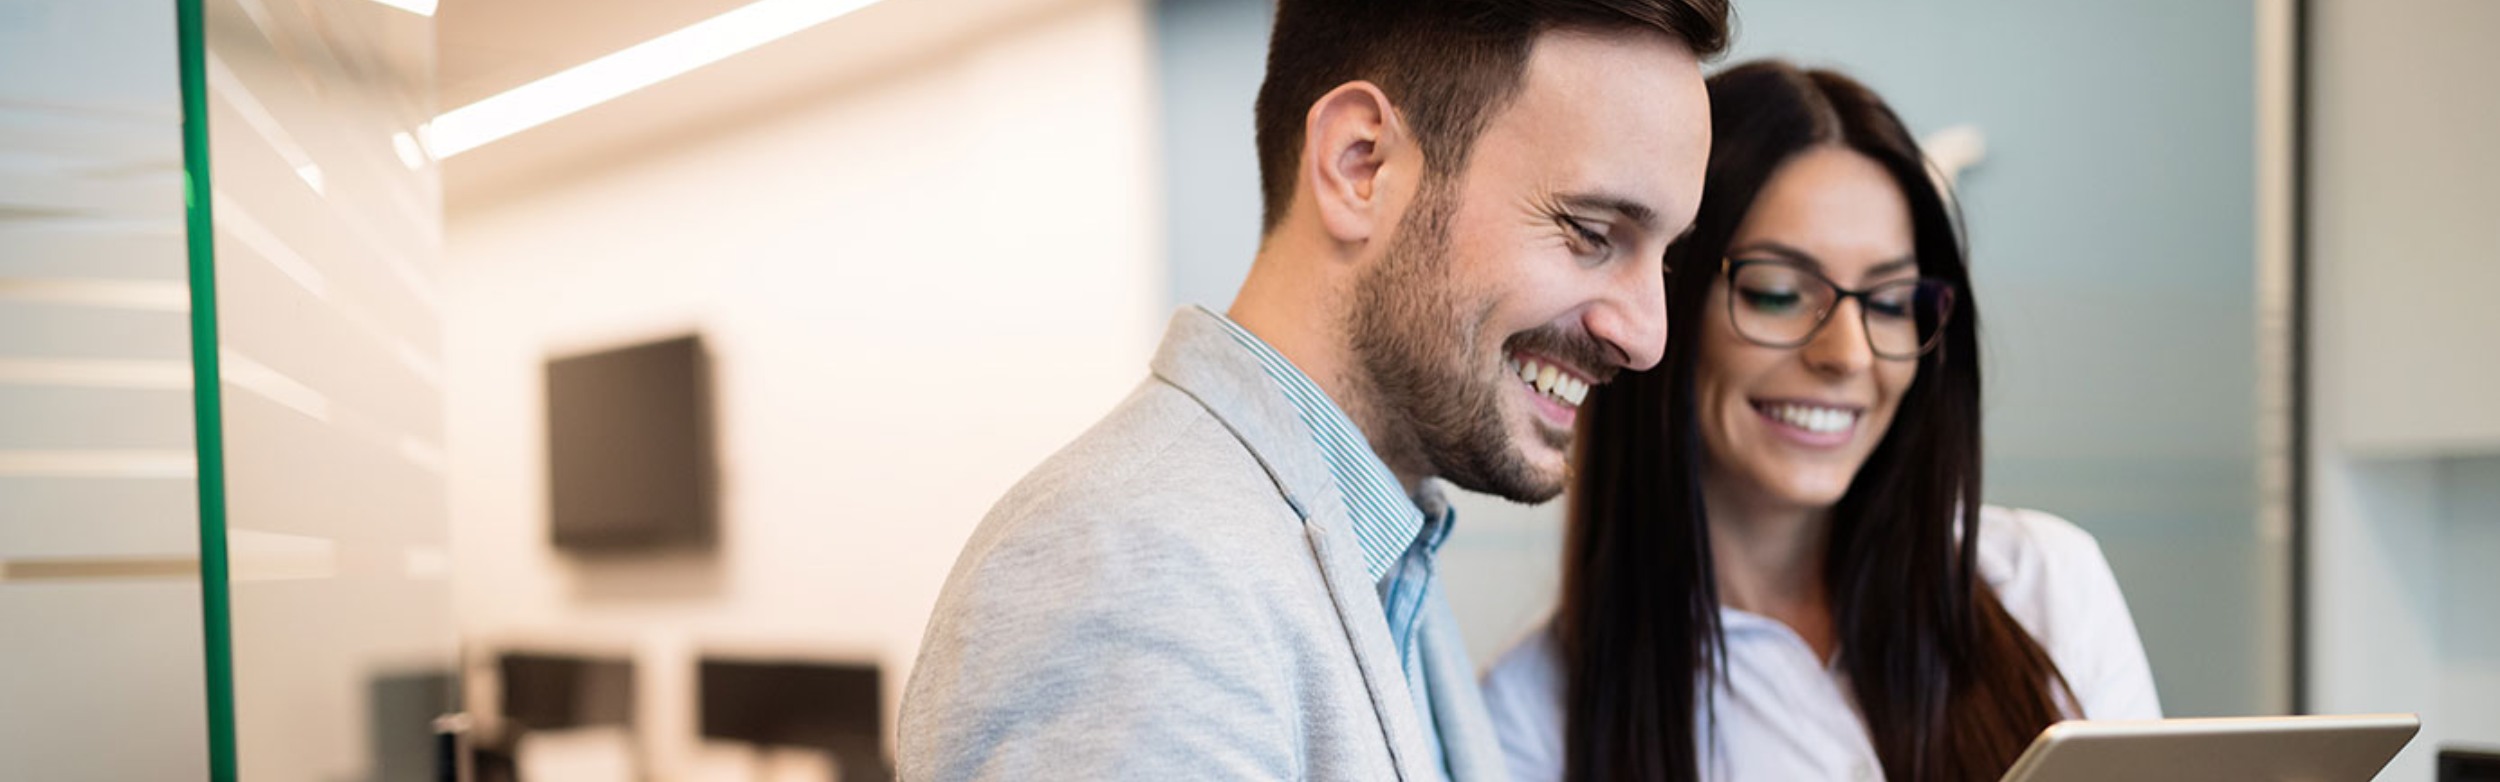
(1357, 601)
(1201, 360)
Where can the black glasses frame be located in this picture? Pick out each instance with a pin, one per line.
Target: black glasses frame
(1728, 267)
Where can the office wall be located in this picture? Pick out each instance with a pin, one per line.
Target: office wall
(1209, 57)
(2406, 471)
(2469, 625)
(914, 286)
(2401, 597)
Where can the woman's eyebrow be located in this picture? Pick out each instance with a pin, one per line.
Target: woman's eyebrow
(1792, 254)
(1903, 263)
(1785, 252)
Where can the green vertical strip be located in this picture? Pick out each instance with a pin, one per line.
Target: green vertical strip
(216, 600)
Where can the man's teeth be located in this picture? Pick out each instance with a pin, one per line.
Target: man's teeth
(1554, 383)
(1820, 420)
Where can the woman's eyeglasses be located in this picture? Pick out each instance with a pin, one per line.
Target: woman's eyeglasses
(1783, 304)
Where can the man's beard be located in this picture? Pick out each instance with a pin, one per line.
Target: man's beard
(1416, 347)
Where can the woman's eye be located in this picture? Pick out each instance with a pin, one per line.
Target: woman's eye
(1892, 301)
(1770, 300)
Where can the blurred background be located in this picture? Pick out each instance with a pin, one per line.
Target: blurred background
(622, 376)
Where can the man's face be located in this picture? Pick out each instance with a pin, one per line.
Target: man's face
(1537, 272)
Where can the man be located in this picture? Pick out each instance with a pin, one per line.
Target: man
(1231, 576)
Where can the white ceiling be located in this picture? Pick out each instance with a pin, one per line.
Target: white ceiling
(485, 47)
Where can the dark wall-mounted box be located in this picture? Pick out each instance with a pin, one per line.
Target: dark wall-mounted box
(630, 449)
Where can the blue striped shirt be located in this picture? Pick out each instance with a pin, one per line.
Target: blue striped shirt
(1397, 539)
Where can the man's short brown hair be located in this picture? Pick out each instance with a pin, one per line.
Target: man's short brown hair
(1448, 65)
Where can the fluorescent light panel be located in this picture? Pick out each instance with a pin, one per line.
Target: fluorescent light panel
(418, 7)
(633, 68)
(410, 154)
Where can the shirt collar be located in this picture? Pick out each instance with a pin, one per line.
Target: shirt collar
(1386, 521)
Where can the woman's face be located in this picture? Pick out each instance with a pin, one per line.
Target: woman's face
(1789, 427)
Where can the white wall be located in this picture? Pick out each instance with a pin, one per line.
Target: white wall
(2406, 474)
(2403, 124)
(914, 290)
(2469, 623)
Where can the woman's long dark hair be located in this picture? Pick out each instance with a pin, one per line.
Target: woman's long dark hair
(1951, 687)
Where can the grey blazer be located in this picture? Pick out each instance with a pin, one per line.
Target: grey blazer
(1178, 594)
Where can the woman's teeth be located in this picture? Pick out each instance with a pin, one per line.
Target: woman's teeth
(1819, 420)
(1555, 384)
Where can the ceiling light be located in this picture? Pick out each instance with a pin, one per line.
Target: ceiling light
(633, 68)
(410, 154)
(418, 7)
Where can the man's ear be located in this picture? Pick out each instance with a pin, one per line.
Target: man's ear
(1354, 151)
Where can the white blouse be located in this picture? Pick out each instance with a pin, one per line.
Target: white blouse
(1783, 714)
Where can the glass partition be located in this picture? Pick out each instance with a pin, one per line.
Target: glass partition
(327, 223)
(221, 494)
(99, 530)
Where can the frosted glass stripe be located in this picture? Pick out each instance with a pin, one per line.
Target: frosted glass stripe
(260, 556)
(426, 368)
(100, 464)
(147, 568)
(417, 284)
(425, 563)
(236, 221)
(422, 454)
(96, 373)
(275, 556)
(394, 255)
(254, 556)
(223, 84)
(291, 48)
(153, 295)
(245, 373)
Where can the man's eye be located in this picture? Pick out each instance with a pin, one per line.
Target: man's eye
(1593, 241)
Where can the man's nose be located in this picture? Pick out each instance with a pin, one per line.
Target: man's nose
(1634, 318)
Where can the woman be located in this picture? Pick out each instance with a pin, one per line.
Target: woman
(1778, 566)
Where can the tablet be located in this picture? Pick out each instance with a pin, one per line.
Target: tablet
(2251, 749)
